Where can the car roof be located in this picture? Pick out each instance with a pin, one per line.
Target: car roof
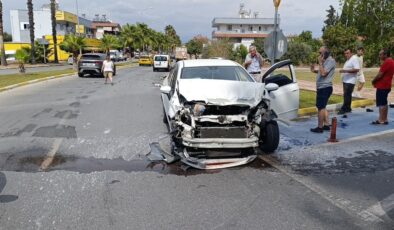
(208, 62)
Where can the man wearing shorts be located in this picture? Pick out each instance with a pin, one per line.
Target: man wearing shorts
(383, 82)
(360, 74)
(325, 74)
(108, 69)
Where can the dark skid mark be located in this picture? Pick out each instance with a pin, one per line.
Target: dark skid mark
(369, 161)
(66, 114)
(93, 91)
(5, 198)
(56, 131)
(114, 181)
(47, 110)
(75, 104)
(83, 97)
(60, 99)
(18, 132)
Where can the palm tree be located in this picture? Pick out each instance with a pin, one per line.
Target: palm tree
(108, 42)
(127, 36)
(22, 56)
(73, 44)
(54, 34)
(31, 29)
(2, 54)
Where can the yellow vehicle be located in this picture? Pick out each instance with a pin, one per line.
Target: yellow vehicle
(145, 60)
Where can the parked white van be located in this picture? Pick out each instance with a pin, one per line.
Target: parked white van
(161, 61)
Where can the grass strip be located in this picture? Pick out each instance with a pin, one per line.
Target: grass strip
(12, 79)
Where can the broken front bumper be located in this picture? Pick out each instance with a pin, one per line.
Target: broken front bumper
(215, 163)
(221, 142)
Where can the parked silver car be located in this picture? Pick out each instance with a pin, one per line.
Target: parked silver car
(217, 114)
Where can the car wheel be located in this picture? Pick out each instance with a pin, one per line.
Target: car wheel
(80, 74)
(269, 137)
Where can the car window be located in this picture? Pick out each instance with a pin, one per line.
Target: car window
(228, 73)
(160, 58)
(172, 80)
(281, 76)
(91, 57)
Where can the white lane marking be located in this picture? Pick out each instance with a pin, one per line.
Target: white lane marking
(382, 207)
(55, 147)
(335, 200)
(51, 154)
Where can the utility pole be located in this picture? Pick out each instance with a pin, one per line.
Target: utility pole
(276, 4)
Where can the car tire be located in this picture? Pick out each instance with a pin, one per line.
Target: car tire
(269, 137)
(80, 74)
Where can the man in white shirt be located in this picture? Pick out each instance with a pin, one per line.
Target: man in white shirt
(349, 77)
(360, 74)
(253, 63)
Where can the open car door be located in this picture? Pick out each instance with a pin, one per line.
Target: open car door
(285, 100)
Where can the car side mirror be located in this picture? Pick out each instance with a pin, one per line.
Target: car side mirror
(271, 87)
(165, 89)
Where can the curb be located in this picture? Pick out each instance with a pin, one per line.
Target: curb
(31, 67)
(46, 78)
(334, 107)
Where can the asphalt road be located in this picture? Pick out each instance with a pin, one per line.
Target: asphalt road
(72, 156)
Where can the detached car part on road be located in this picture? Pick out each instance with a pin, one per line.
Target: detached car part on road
(217, 114)
(91, 63)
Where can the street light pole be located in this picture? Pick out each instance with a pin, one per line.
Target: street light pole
(276, 4)
(76, 3)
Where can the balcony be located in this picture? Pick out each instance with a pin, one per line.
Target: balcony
(240, 34)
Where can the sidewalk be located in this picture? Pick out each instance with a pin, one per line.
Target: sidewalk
(366, 93)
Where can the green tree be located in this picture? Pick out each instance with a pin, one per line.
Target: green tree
(38, 52)
(2, 49)
(196, 44)
(332, 18)
(73, 44)
(307, 38)
(22, 56)
(54, 33)
(109, 42)
(31, 29)
(173, 38)
(299, 53)
(259, 44)
(127, 36)
(7, 37)
(220, 48)
(338, 38)
(239, 54)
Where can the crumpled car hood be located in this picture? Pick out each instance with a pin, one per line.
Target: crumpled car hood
(222, 92)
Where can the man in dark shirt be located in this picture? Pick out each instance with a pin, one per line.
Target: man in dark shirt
(383, 82)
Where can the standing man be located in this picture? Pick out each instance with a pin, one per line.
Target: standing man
(108, 69)
(360, 74)
(325, 74)
(383, 82)
(349, 76)
(253, 63)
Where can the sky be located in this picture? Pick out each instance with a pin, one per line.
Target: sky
(191, 17)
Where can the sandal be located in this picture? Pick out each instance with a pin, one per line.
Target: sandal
(377, 122)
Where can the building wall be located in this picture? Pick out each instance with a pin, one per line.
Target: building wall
(265, 29)
(20, 24)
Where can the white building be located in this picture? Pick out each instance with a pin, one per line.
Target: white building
(243, 29)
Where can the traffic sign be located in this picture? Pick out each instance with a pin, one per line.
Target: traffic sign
(281, 45)
(43, 41)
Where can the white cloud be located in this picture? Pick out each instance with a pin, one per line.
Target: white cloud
(191, 17)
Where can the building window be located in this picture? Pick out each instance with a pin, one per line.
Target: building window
(229, 27)
(25, 26)
(250, 28)
(259, 28)
(240, 26)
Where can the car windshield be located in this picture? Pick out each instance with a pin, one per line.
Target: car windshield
(160, 58)
(229, 73)
(92, 57)
(146, 57)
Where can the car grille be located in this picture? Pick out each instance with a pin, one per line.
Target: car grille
(222, 132)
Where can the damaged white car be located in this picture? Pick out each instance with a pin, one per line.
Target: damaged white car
(218, 115)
